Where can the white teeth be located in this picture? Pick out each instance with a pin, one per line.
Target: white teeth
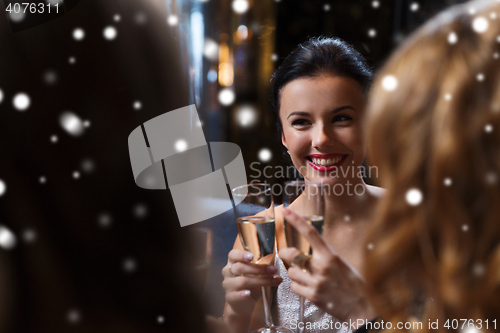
(326, 162)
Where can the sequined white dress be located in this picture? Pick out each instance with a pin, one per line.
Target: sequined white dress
(286, 309)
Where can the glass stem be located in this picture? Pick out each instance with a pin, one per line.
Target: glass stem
(267, 309)
(301, 314)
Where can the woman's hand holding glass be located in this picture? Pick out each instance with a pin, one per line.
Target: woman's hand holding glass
(329, 282)
(243, 281)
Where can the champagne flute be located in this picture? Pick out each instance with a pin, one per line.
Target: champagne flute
(306, 199)
(254, 208)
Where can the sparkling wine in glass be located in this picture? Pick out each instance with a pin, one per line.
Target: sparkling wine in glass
(254, 208)
(307, 200)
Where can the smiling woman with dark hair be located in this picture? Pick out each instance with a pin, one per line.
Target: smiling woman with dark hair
(319, 97)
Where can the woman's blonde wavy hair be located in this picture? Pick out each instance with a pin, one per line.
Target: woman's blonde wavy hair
(438, 132)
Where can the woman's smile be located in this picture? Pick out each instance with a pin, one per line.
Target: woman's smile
(326, 162)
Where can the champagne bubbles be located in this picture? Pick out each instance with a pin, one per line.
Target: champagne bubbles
(389, 83)
(1, 95)
(172, 20)
(414, 7)
(480, 24)
(447, 182)
(140, 211)
(76, 175)
(414, 197)
(372, 33)
(74, 316)
(226, 96)
(110, 33)
(72, 60)
(137, 105)
(78, 34)
(7, 238)
(448, 97)
(211, 49)
(21, 101)
(465, 228)
(265, 155)
(452, 38)
(129, 265)
(42, 179)
(375, 4)
(3, 188)
(71, 123)
(54, 139)
(181, 145)
(29, 236)
(480, 77)
(488, 128)
(104, 220)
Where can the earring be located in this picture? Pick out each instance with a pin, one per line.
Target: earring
(288, 152)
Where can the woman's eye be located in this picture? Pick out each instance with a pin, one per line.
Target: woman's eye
(341, 118)
(300, 122)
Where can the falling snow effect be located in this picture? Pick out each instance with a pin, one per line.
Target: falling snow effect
(265, 155)
(117, 18)
(17, 17)
(110, 33)
(452, 38)
(375, 4)
(72, 60)
(447, 97)
(104, 220)
(42, 179)
(389, 83)
(211, 49)
(274, 57)
(140, 18)
(226, 96)
(491, 178)
(247, 116)
(480, 77)
(465, 228)
(181, 145)
(74, 316)
(240, 6)
(488, 128)
(414, 197)
(1, 95)
(7, 238)
(372, 33)
(160, 320)
(480, 24)
(414, 7)
(3, 188)
(76, 175)
(21, 101)
(370, 246)
(129, 265)
(54, 139)
(327, 7)
(447, 181)
(87, 165)
(137, 105)
(71, 123)
(50, 77)
(172, 20)
(29, 236)
(347, 218)
(78, 34)
(140, 211)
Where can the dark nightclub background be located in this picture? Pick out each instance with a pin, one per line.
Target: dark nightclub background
(82, 247)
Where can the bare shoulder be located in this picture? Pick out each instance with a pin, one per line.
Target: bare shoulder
(375, 191)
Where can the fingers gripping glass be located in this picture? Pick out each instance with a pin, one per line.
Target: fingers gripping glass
(255, 221)
(307, 200)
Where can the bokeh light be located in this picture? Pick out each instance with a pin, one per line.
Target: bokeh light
(78, 34)
(21, 101)
(414, 197)
(265, 155)
(71, 123)
(226, 97)
(7, 238)
(240, 6)
(110, 33)
(389, 83)
(181, 145)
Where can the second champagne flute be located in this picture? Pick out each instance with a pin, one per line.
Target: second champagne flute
(254, 208)
(307, 200)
